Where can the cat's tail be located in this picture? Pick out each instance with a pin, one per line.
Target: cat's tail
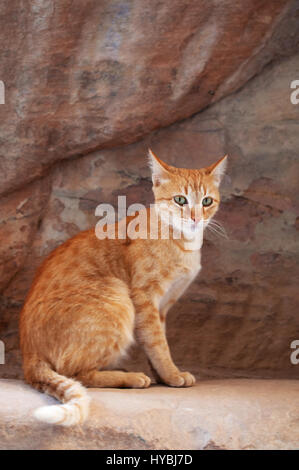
(70, 392)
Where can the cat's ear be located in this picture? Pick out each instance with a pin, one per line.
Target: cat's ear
(217, 170)
(160, 170)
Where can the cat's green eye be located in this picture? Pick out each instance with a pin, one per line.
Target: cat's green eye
(207, 201)
(180, 200)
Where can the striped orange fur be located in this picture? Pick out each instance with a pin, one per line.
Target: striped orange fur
(91, 298)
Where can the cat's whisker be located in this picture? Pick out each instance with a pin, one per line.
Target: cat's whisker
(218, 230)
(213, 230)
(217, 224)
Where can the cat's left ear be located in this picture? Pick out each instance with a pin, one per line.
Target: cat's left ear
(160, 170)
(217, 170)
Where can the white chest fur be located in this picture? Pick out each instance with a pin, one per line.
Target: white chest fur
(175, 289)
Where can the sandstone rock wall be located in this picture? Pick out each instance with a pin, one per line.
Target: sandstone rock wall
(89, 86)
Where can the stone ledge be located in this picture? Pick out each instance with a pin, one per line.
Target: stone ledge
(215, 414)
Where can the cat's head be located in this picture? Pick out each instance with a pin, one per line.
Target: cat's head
(188, 198)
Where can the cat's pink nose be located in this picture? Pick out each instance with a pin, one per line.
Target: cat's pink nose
(195, 215)
(196, 220)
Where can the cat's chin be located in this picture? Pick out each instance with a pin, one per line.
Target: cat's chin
(192, 236)
(192, 229)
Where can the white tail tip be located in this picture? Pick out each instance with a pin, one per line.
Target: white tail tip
(64, 415)
(50, 414)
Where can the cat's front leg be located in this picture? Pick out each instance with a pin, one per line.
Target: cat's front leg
(150, 334)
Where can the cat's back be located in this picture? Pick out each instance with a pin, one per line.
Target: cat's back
(83, 259)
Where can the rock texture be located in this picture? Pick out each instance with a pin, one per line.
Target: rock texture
(240, 317)
(231, 414)
(83, 81)
(87, 75)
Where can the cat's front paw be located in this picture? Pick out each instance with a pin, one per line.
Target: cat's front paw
(137, 380)
(181, 379)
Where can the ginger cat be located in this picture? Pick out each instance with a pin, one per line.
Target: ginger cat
(91, 298)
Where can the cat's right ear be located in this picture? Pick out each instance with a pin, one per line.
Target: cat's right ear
(160, 171)
(217, 170)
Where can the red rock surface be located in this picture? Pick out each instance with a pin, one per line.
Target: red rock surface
(213, 415)
(81, 76)
(105, 74)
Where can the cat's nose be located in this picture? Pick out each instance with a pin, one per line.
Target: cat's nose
(195, 218)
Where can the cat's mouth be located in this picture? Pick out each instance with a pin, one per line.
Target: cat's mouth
(193, 226)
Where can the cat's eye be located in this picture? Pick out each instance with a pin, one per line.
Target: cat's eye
(207, 201)
(180, 200)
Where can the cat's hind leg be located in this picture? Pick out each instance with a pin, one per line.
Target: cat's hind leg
(114, 379)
